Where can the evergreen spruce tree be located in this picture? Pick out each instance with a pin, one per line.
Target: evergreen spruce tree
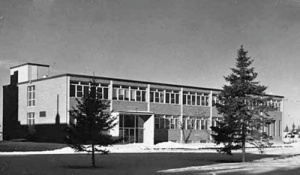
(243, 104)
(92, 122)
(286, 128)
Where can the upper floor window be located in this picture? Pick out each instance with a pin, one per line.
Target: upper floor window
(164, 96)
(31, 95)
(129, 93)
(172, 97)
(79, 89)
(157, 96)
(195, 99)
(214, 99)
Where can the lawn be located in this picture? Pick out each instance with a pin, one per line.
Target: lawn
(115, 163)
(7, 146)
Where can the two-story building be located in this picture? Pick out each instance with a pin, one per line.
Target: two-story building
(147, 112)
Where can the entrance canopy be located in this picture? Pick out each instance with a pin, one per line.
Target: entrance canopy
(135, 126)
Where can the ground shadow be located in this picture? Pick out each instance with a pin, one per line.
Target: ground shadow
(83, 167)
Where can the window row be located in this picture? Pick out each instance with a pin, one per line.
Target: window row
(167, 122)
(195, 123)
(129, 93)
(276, 104)
(173, 122)
(80, 89)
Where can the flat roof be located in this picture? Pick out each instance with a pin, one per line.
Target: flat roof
(133, 81)
(33, 64)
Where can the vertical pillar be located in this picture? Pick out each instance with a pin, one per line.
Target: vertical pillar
(148, 97)
(110, 94)
(149, 131)
(67, 99)
(282, 118)
(210, 113)
(181, 113)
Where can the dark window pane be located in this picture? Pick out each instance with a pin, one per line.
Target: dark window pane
(193, 100)
(172, 98)
(156, 123)
(151, 96)
(143, 95)
(167, 123)
(198, 100)
(42, 113)
(167, 97)
(105, 93)
(86, 90)
(129, 120)
(138, 96)
(72, 90)
(177, 98)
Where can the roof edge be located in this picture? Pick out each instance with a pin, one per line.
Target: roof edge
(133, 81)
(34, 64)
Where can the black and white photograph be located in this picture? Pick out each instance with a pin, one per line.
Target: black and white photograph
(145, 87)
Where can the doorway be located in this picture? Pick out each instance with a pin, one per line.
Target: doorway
(131, 127)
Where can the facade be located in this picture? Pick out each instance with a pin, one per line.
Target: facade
(147, 112)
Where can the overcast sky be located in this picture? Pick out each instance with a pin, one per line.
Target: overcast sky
(192, 42)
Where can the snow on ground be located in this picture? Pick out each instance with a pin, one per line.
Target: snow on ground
(166, 147)
(289, 159)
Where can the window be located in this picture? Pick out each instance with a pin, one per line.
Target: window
(203, 124)
(138, 94)
(190, 123)
(195, 99)
(166, 122)
(30, 118)
(42, 113)
(72, 90)
(157, 96)
(79, 89)
(214, 100)
(172, 97)
(198, 124)
(174, 123)
(128, 93)
(102, 91)
(31, 96)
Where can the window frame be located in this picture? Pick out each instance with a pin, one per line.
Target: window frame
(31, 95)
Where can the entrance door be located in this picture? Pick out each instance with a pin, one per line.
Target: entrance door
(132, 128)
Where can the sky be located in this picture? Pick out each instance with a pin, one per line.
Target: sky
(187, 42)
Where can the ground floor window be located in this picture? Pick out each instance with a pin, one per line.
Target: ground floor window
(30, 118)
(196, 123)
(166, 122)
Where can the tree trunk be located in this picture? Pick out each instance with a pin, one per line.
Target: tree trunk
(244, 151)
(243, 143)
(93, 155)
